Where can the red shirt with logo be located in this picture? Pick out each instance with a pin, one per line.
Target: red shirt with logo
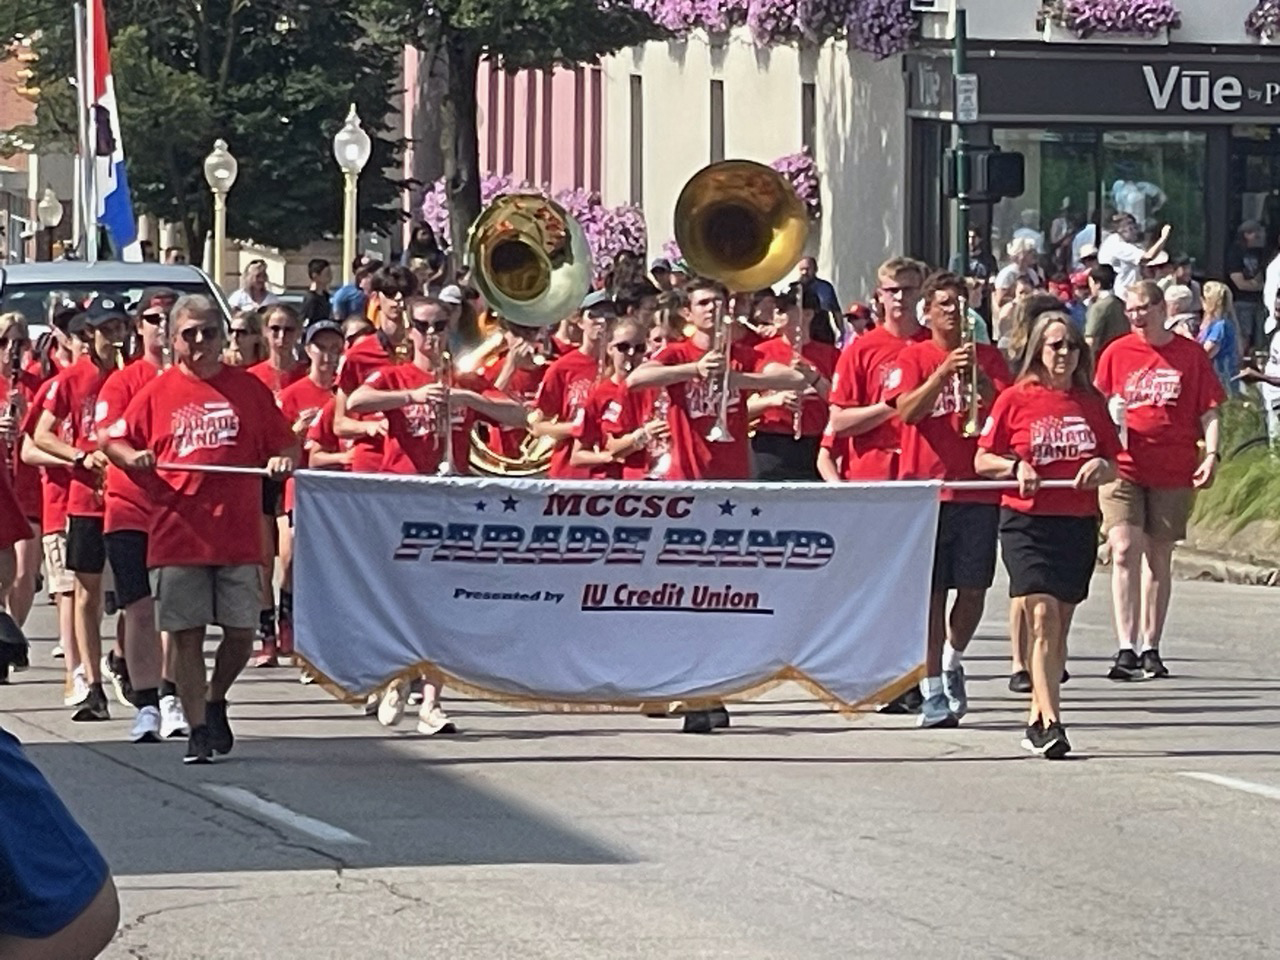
(55, 482)
(522, 387)
(692, 411)
(362, 358)
(129, 494)
(231, 419)
(26, 478)
(561, 397)
(412, 444)
(73, 400)
(277, 380)
(813, 410)
(860, 376)
(1057, 432)
(1167, 390)
(612, 411)
(935, 448)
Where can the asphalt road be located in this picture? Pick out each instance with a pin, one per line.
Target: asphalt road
(797, 833)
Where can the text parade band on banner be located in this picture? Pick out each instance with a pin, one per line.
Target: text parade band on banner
(545, 486)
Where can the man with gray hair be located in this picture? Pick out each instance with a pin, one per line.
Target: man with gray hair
(205, 544)
(1180, 311)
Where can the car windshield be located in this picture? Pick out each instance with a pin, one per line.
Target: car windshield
(34, 300)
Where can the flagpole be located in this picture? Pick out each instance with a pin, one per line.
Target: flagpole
(84, 175)
(90, 151)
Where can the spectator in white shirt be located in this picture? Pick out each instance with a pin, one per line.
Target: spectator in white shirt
(253, 292)
(1023, 265)
(1030, 230)
(1121, 252)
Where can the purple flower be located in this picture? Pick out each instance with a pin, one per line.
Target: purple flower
(1264, 19)
(1087, 17)
(801, 172)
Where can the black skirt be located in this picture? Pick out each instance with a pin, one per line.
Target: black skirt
(1049, 554)
(780, 457)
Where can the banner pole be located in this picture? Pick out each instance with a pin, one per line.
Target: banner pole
(215, 468)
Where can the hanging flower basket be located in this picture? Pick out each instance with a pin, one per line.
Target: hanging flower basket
(1263, 21)
(1109, 21)
(801, 172)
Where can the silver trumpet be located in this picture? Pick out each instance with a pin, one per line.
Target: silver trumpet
(444, 416)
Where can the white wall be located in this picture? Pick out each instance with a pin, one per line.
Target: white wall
(860, 128)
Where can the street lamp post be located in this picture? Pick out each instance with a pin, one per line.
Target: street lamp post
(49, 213)
(351, 148)
(220, 169)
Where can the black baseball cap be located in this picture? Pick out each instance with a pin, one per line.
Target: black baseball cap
(101, 310)
(155, 299)
(319, 327)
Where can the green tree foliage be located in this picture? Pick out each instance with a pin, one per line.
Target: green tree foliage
(274, 78)
(455, 34)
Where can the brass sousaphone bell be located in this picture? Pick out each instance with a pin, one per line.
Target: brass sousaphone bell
(531, 262)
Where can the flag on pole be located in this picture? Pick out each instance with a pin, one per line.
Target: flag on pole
(113, 206)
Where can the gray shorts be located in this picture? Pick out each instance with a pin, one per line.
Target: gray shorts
(190, 597)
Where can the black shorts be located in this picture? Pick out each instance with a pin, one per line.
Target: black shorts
(779, 457)
(1049, 554)
(127, 551)
(86, 551)
(272, 497)
(965, 555)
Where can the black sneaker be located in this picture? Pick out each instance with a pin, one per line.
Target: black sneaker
(1056, 745)
(1125, 666)
(221, 740)
(94, 707)
(719, 717)
(1033, 739)
(198, 746)
(109, 605)
(906, 702)
(1153, 667)
(1020, 682)
(1065, 676)
(698, 721)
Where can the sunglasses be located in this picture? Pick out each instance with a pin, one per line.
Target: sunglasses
(630, 349)
(1058, 346)
(239, 332)
(212, 331)
(155, 319)
(430, 326)
(276, 329)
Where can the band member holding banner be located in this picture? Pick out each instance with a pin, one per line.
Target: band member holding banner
(942, 389)
(859, 411)
(785, 445)
(204, 550)
(71, 400)
(568, 381)
(1163, 388)
(128, 508)
(1051, 425)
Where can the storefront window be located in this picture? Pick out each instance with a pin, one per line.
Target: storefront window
(1077, 179)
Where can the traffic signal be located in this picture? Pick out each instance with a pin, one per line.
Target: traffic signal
(27, 56)
(993, 174)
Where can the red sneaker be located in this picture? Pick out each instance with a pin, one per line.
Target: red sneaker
(267, 657)
(284, 638)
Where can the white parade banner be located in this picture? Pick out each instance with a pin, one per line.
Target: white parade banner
(594, 594)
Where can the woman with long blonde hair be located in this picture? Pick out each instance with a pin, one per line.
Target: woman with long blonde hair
(1219, 334)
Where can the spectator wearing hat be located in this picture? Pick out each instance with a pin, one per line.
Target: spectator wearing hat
(660, 272)
(1246, 271)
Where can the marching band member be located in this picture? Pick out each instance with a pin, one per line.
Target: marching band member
(127, 515)
(516, 371)
(613, 436)
(790, 425)
(204, 549)
(1167, 396)
(568, 381)
(930, 386)
(859, 412)
(15, 528)
(282, 367)
(71, 401)
(415, 399)
(692, 374)
(21, 383)
(1051, 425)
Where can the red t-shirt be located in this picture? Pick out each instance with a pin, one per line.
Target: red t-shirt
(935, 448)
(55, 482)
(231, 419)
(130, 494)
(692, 412)
(321, 435)
(1057, 432)
(301, 403)
(859, 381)
(522, 388)
(73, 399)
(277, 380)
(362, 358)
(611, 411)
(411, 445)
(560, 397)
(26, 479)
(813, 412)
(1167, 390)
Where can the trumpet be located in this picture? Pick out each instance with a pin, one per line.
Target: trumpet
(721, 344)
(444, 415)
(797, 413)
(659, 450)
(972, 399)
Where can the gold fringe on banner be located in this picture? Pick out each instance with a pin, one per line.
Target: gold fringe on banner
(443, 679)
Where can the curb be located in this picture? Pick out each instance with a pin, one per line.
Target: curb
(1189, 564)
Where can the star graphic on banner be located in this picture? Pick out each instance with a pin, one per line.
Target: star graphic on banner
(480, 505)
(509, 504)
(727, 508)
(755, 511)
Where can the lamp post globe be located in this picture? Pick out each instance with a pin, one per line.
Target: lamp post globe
(351, 148)
(220, 169)
(49, 209)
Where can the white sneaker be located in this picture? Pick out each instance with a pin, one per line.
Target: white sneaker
(146, 726)
(173, 722)
(78, 692)
(371, 704)
(57, 652)
(391, 709)
(432, 720)
(307, 677)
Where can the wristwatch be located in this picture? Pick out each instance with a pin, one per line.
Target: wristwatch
(80, 458)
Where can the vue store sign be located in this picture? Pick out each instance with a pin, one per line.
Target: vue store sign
(1202, 90)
